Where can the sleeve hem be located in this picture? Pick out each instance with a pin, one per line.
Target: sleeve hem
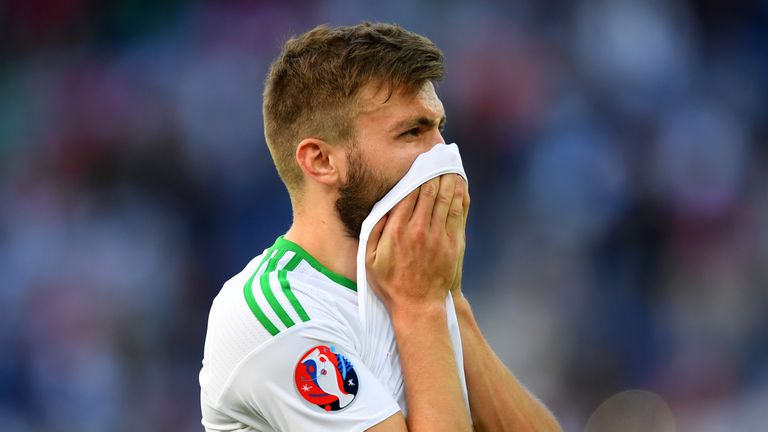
(383, 415)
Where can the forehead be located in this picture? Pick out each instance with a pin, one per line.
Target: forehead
(382, 102)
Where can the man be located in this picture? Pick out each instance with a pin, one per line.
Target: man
(346, 112)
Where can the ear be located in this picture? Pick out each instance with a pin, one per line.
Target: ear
(320, 160)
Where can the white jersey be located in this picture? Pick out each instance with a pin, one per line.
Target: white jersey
(283, 352)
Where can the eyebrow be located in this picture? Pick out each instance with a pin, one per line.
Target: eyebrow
(417, 121)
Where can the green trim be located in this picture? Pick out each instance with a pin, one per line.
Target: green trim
(269, 263)
(266, 288)
(248, 293)
(267, 255)
(263, 319)
(272, 300)
(285, 244)
(282, 276)
(294, 262)
(272, 264)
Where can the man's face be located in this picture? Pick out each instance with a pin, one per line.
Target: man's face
(390, 132)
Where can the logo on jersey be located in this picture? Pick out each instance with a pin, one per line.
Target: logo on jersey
(326, 378)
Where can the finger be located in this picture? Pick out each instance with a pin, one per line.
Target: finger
(402, 211)
(466, 199)
(406, 205)
(454, 223)
(422, 213)
(443, 199)
(373, 239)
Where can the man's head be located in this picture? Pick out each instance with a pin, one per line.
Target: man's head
(323, 91)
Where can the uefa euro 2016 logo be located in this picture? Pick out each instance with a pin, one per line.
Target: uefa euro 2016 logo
(326, 378)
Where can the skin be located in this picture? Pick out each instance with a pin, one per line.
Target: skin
(387, 149)
(391, 131)
(412, 262)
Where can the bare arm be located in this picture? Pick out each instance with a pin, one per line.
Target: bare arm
(497, 400)
(412, 260)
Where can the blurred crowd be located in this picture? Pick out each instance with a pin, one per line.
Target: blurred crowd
(617, 152)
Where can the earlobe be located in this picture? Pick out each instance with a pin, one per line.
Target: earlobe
(318, 160)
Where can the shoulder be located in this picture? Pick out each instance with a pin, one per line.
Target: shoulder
(274, 332)
(261, 303)
(306, 378)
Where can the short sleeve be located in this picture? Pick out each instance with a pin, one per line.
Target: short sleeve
(308, 378)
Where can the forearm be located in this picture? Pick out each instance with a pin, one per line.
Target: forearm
(498, 401)
(433, 389)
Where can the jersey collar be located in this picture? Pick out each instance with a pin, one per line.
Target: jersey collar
(284, 244)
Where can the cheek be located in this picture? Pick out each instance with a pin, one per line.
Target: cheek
(392, 170)
(390, 166)
(402, 163)
(392, 163)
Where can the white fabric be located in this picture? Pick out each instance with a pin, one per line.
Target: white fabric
(247, 378)
(246, 383)
(379, 351)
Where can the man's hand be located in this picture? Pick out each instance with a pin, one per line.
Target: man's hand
(415, 252)
(412, 258)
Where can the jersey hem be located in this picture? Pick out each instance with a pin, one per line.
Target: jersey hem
(378, 418)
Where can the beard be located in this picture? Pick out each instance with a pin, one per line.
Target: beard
(359, 193)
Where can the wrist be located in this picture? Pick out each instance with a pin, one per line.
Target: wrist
(410, 315)
(462, 306)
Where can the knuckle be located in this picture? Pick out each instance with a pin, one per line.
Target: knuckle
(456, 211)
(419, 232)
(396, 228)
(428, 189)
(408, 200)
(444, 198)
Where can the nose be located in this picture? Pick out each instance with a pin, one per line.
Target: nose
(434, 137)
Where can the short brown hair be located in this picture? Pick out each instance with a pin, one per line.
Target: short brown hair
(312, 86)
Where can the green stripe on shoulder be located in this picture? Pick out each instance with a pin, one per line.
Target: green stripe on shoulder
(272, 300)
(257, 312)
(268, 266)
(282, 276)
(251, 301)
(284, 243)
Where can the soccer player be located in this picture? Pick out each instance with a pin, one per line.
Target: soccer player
(346, 112)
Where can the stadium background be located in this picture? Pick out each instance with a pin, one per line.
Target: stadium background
(618, 159)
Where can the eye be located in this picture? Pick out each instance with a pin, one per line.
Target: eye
(412, 132)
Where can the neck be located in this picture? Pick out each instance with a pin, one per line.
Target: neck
(321, 234)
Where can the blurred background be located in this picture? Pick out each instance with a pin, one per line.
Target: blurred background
(618, 160)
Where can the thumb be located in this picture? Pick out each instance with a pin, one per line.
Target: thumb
(373, 239)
